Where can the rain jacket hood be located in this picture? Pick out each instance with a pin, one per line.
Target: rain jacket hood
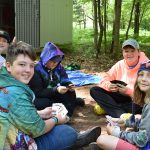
(50, 50)
(58, 74)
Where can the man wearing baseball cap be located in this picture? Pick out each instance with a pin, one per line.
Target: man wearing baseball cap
(132, 43)
(4, 43)
(115, 97)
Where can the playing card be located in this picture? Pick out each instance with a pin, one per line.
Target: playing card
(63, 112)
(59, 108)
(109, 119)
(56, 106)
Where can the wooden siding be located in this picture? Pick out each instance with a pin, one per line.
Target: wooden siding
(56, 21)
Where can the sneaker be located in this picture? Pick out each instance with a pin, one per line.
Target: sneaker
(80, 102)
(87, 137)
(94, 146)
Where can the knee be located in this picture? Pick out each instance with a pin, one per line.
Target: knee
(93, 89)
(69, 132)
(101, 141)
(71, 94)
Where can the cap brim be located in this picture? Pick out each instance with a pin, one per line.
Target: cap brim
(58, 59)
(129, 44)
(5, 37)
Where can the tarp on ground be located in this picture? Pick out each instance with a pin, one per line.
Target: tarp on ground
(79, 78)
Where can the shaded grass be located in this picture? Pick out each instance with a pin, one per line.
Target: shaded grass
(83, 43)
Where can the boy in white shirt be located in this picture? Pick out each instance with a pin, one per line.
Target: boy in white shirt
(4, 43)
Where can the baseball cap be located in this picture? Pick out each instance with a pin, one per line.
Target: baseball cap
(132, 43)
(145, 66)
(5, 35)
(57, 58)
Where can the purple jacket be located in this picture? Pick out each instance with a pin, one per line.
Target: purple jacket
(44, 81)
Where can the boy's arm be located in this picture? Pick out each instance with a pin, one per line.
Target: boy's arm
(23, 115)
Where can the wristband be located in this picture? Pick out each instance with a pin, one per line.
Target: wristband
(55, 119)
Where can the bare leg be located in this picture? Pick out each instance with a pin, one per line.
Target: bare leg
(107, 142)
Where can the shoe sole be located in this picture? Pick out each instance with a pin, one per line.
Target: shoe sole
(94, 146)
(92, 136)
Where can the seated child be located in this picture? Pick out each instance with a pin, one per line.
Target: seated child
(116, 99)
(50, 82)
(139, 137)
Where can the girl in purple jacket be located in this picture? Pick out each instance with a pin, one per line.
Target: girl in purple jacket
(50, 82)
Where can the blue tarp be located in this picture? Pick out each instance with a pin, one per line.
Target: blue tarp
(79, 78)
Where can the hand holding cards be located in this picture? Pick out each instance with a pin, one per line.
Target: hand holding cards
(59, 108)
(70, 86)
(118, 82)
(109, 119)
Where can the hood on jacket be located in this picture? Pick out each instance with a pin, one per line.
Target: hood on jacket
(7, 79)
(50, 51)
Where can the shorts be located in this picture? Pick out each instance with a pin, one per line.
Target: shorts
(124, 145)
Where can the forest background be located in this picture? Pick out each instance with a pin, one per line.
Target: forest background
(99, 29)
(101, 26)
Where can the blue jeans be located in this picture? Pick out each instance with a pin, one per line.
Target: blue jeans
(61, 137)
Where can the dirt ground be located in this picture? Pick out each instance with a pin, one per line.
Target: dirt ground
(85, 117)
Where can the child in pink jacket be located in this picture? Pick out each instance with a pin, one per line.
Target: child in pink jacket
(114, 97)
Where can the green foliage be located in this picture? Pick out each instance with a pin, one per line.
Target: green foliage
(83, 41)
(83, 35)
(66, 48)
(83, 9)
(78, 11)
(147, 52)
(144, 42)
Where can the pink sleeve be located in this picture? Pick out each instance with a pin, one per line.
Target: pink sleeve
(110, 75)
(105, 84)
(129, 92)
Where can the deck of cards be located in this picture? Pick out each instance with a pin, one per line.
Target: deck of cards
(59, 108)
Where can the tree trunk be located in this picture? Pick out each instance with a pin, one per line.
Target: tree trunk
(133, 4)
(136, 19)
(105, 19)
(97, 21)
(116, 28)
(100, 22)
(145, 8)
(95, 24)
